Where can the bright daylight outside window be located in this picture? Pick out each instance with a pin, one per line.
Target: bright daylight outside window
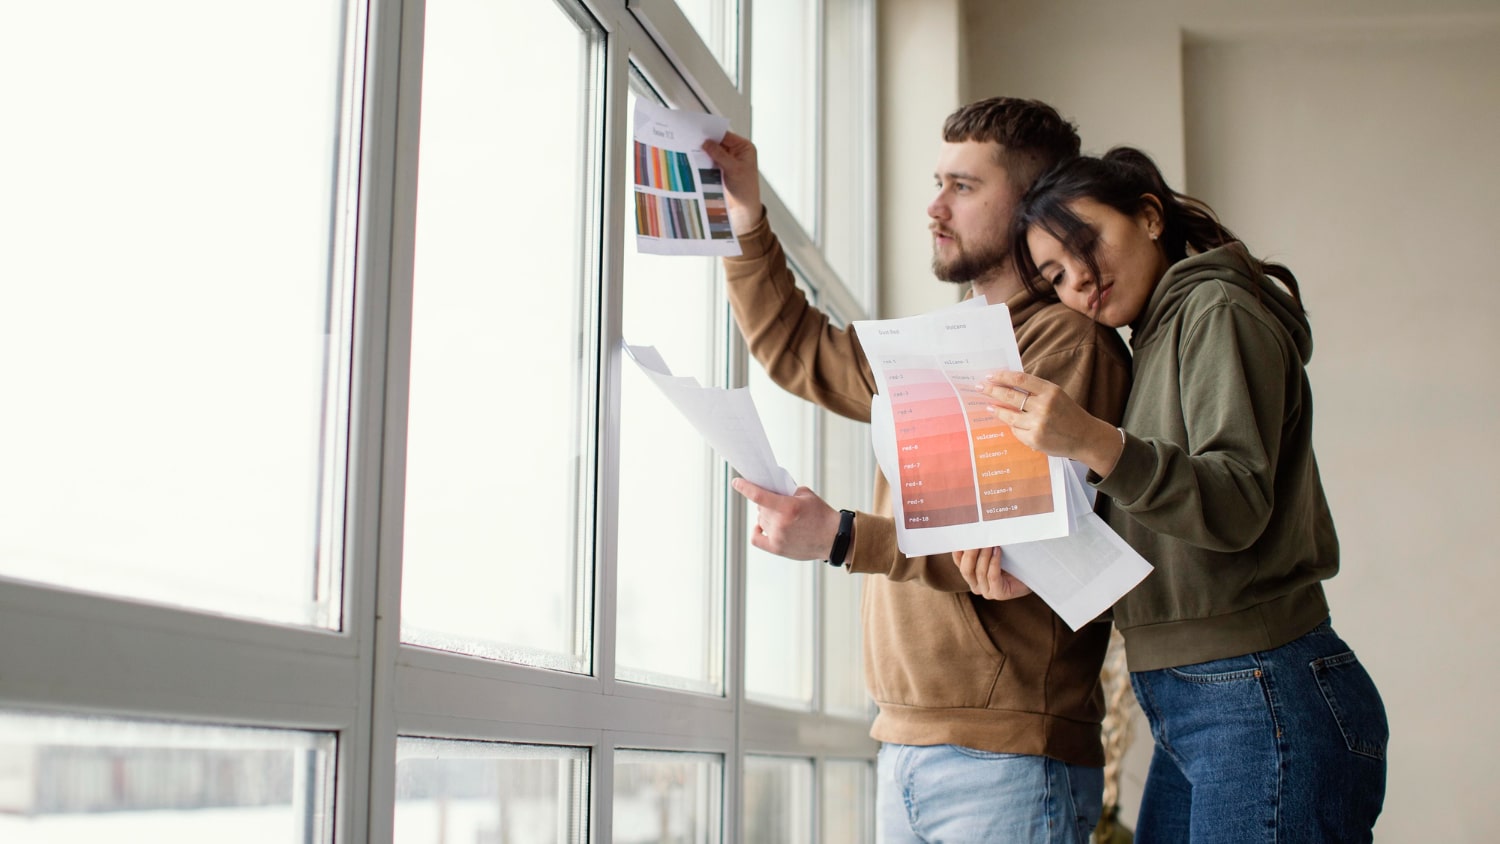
(717, 23)
(847, 476)
(844, 230)
(449, 791)
(779, 638)
(66, 780)
(496, 558)
(191, 362)
(848, 806)
(176, 319)
(671, 575)
(778, 800)
(784, 100)
(661, 796)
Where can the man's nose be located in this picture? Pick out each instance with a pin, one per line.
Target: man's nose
(937, 209)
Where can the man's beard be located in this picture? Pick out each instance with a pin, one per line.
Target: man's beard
(967, 266)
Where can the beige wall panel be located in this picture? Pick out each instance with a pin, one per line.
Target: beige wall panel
(1366, 163)
(1113, 68)
(1355, 140)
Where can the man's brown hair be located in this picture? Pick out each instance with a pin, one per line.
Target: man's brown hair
(1031, 134)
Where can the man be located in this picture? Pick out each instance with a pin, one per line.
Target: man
(989, 712)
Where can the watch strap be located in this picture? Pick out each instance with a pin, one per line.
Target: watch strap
(841, 539)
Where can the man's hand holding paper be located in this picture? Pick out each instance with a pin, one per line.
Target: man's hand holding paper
(800, 526)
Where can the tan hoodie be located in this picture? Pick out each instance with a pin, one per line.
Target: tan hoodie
(945, 666)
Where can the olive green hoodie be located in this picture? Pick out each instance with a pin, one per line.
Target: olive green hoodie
(1217, 485)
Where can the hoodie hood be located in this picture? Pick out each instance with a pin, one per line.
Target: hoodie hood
(1230, 264)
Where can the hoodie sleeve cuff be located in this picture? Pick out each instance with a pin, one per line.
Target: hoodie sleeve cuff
(1131, 473)
(874, 544)
(756, 242)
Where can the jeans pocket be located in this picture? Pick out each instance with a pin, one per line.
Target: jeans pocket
(1355, 703)
(1232, 670)
(976, 753)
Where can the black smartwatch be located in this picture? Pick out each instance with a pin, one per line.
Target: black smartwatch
(841, 539)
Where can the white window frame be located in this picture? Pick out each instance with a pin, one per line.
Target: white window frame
(76, 653)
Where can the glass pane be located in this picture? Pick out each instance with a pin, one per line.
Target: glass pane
(66, 779)
(778, 800)
(784, 101)
(671, 573)
(497, 461)
(488, 792)
(779, 592)
(847, 484)
(174, 335)
(667, 798)
(848, 144)
(717, 23)
(848, 803)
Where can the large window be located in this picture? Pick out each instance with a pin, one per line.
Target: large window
(175, 329)
(498, 467)
(671, 564)
(334, 510)
(784, 92)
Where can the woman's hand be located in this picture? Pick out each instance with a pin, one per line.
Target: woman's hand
(1044, 417)
(981, 568)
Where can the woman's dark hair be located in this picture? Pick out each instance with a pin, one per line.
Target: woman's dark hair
(1122, 179)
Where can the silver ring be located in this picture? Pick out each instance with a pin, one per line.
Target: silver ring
(1023, 402)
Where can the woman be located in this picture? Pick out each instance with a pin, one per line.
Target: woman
(1267, 727)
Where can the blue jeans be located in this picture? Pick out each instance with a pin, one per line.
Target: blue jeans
(1286, 745)
(945, 794)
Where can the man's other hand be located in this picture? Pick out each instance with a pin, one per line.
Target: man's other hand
(800, 526)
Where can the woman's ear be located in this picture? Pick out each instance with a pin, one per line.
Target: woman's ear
(1151, 217)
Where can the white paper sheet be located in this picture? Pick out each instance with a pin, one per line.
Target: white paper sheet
(961, 479)
(726, 418)
(1080, 575)
(679, 192)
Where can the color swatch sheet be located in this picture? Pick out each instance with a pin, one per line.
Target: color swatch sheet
(726, 418)
(679, 192)
(960, 477)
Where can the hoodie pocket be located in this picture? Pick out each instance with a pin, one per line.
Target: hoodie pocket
(928, 649)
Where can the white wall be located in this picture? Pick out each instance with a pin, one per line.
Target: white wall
(1366, 163)
(1354, 140)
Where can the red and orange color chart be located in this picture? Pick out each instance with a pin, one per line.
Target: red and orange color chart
(932, 443)
(959, 477)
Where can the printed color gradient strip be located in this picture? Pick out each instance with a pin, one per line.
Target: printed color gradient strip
(671, 217)
(664, 169)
